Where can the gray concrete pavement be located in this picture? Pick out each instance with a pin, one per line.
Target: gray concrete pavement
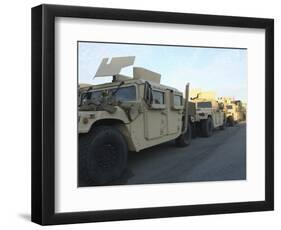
(220, 157)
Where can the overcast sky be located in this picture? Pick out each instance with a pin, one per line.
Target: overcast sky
(212, 69)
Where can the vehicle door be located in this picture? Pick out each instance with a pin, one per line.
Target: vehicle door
(155, 115)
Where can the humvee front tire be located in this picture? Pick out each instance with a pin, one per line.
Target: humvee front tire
(207, 127)
(102, 155)
(184, 139)
(230, 121)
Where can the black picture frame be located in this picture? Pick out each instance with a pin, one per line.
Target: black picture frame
(43, 114)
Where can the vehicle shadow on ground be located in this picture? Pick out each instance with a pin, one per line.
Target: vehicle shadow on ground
(122, 180)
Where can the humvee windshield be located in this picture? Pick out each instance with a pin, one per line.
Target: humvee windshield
(204, 104)
(127, 93)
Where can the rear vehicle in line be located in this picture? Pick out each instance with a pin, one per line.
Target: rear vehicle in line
(209, 112)
(234, 110)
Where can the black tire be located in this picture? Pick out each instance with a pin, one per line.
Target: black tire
(223, 126)
(195, 130)
(230, 121)
(185, 139)
(207, 127)
(102, 155)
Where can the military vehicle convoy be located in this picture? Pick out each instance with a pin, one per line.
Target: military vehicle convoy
(135, 113)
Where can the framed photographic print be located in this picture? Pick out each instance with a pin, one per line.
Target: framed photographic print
(143, 114)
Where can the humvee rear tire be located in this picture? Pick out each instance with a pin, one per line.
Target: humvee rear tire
(230, 121)
(102, 155)
(194, 130)
(207, 127)
(185, 139)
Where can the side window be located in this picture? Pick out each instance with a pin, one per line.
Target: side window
(158, 97)
(177, 100)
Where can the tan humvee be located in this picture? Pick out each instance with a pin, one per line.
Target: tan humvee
(129, 113)
(209, 112)
(234, 110)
